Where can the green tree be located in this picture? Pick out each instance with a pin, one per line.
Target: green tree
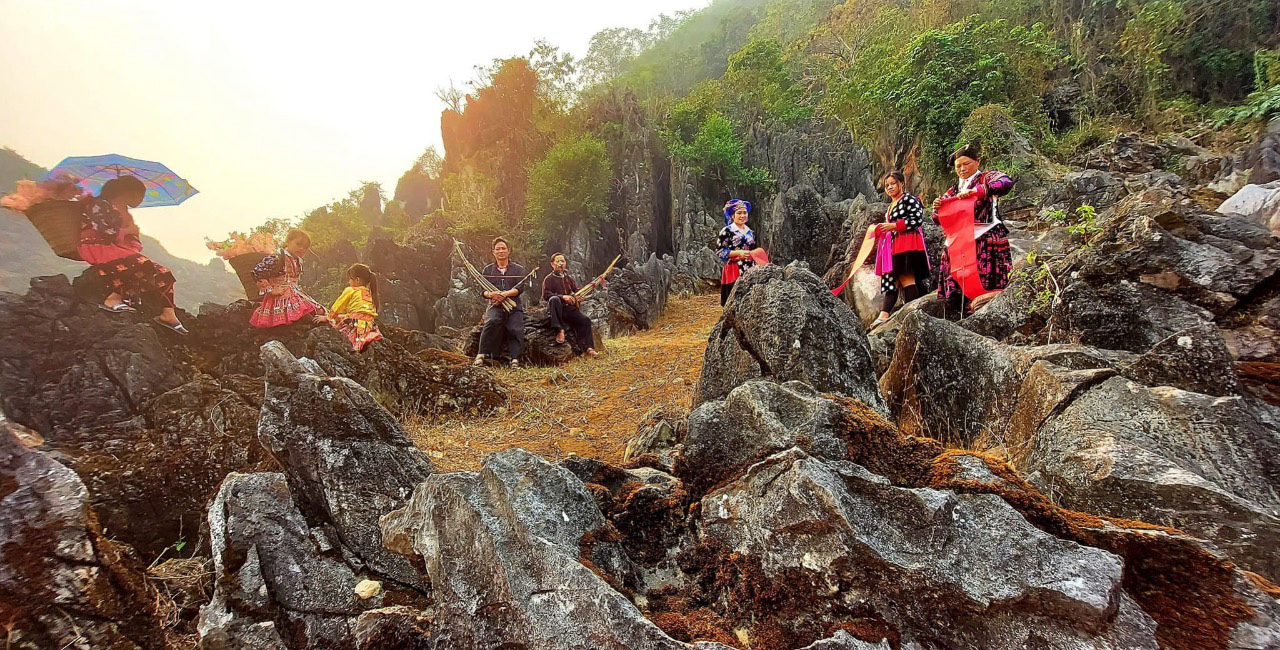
(557, 73)
(568, 186)
(762, 87)
(945, 74)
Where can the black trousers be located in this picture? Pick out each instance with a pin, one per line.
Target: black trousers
(724, 292)
(498, 324)
(568, 317)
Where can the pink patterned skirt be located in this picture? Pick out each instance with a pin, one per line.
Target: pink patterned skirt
(361, 329)
(290, 306)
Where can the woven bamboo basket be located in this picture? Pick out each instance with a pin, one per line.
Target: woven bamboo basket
(59, 222)
(243, 266)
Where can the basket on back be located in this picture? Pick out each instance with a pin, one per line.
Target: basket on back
(243, 265)
(59, 222)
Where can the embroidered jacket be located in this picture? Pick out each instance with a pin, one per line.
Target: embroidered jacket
(732, 239)
(279, 265)
(354, 300)
(557, 284)
(510, 279)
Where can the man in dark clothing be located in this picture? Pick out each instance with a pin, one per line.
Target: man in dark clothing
(558, 289)
(506, 276)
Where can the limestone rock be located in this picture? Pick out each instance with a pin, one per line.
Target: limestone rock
(755, 420)
(965, 566)
(1260, 203)
(1202, 464)
(63, 583)
(502, 547)
(347, 460)
(278, 584)
(783, 324)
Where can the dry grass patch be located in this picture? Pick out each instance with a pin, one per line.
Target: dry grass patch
(588, 407)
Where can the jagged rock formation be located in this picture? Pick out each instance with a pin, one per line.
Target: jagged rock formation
(347, 460)
(63, 582)
(133, 408)
(783, 324)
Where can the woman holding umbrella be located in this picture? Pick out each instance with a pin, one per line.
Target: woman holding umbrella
(109, 242)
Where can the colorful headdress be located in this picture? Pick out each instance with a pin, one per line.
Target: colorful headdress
(731, 207)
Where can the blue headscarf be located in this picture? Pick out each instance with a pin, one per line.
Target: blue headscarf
(731, 207)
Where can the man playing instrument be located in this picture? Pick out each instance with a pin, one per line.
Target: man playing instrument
(558, 290)
(507, 277)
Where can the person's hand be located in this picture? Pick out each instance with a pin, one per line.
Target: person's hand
(489, 295)
(966, 194)
(320, 319)
(937, 204)
(885, 227)
(570, 300)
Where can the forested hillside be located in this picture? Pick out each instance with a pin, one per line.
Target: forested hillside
(541, 144)
(24, 255)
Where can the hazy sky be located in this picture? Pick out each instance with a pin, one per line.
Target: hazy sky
(269, 108)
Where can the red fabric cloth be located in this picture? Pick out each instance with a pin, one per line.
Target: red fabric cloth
(956, 217)
(95, 254)
(729, 274)
(905, 242)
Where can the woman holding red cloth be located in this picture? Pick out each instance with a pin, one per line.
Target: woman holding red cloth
(736, 243)
(901, 261)
(991, 237)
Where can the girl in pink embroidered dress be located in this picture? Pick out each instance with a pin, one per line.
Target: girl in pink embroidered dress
(283, 302)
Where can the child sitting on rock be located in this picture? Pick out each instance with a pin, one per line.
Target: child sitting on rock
(283, 302)
(355, 312)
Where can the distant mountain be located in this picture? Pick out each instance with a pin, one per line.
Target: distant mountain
(24, 254)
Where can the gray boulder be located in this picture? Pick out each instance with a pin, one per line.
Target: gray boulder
(63, 582)
(504, 549)
(1203, 464)
(1259, 203)
(783, 324)
(347, 460)
(967, 568)
(755, 420)
(279, 584)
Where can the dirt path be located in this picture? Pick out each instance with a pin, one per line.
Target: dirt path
(586, 407)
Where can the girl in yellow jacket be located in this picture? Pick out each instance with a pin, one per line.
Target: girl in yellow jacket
(355, 312)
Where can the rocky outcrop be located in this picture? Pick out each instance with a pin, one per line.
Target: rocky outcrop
(508, 550)
(123, 403)
(633, 297)
(410, 279)
(1093, 440)
(800, 225)
(1201, 464)
(800, 521)
(755, 420)
(1259, 203)
(63, 582)
(130, 405)
(783, 324)
(280, 584)
(346, 458)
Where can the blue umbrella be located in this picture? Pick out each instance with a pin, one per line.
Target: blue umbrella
(163, 186)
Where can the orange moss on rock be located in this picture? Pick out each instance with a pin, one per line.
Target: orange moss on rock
(1187, 589)
(697, 625)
